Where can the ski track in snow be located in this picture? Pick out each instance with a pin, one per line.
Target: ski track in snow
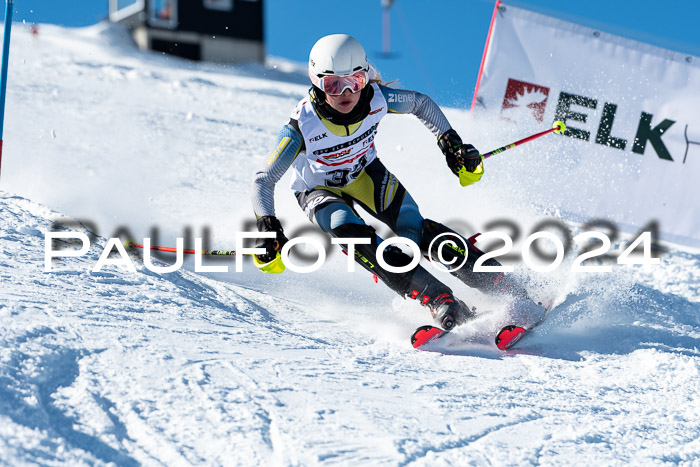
(123, 368)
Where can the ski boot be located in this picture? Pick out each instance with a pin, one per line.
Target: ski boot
(448, 311)
(417, 284)
(463, 251)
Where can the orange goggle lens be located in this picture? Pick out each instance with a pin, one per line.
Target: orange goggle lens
(336, 85)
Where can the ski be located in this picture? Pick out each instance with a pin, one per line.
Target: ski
(426, 334)
(509, 336)
(506, 338)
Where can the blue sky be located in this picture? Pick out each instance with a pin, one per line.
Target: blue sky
(436, 45)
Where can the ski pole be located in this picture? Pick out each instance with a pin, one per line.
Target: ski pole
(131, 244)
(467, 178)
(558, 128)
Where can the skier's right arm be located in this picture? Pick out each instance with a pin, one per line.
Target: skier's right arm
(289, 145)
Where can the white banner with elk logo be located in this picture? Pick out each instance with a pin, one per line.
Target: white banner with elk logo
(631, 151)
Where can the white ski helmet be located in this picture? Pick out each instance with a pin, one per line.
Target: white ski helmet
(336, 55)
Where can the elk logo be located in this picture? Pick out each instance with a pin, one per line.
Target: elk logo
(524, 100)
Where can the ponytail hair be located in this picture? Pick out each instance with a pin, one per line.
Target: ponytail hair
(376, 77)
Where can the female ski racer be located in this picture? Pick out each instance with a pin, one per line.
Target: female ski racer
(329, 144)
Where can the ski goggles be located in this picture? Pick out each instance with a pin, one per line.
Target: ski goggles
(336, 85)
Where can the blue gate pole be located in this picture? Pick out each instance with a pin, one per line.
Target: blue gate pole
(9, 6)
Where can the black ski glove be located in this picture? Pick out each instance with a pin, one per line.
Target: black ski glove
(458, 155)
(271, 245)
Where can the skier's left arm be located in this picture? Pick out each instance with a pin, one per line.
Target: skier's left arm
(457, 154)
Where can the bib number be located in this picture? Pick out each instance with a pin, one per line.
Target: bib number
(342, 177)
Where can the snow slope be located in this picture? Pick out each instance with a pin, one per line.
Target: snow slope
(247, 369)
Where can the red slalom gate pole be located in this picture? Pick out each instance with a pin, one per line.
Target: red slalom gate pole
(557, 127)
(169, 249)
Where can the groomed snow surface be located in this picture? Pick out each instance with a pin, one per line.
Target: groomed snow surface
(116, 367)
